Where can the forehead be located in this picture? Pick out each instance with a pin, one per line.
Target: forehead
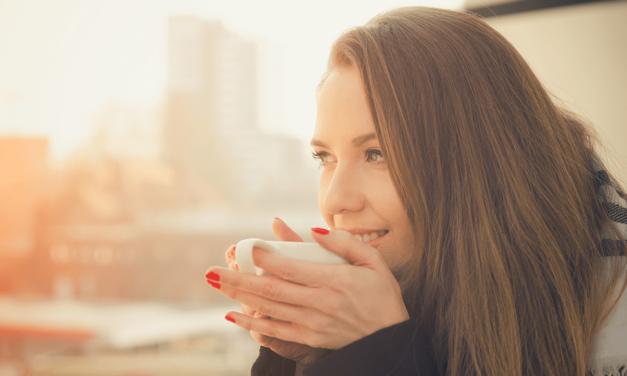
(343, 111)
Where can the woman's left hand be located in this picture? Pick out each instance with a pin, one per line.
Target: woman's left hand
(321, 305)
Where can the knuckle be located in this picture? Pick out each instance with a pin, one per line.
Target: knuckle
(270, 290)
(266, 309)
(260, 338)
(286, 271)
(270, 329)
(247, 310)
(329, 307)
(235, 282)
(319, 324)
(231, 293)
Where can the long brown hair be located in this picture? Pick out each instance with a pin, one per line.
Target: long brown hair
(499, 183)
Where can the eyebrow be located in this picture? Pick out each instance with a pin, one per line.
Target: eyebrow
(357, 141)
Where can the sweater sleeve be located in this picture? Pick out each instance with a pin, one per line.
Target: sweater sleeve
(270, 363)
(400, 349)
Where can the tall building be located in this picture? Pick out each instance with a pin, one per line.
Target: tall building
(22, 174)
(224, 98)
(212, 91)
(272, 82)
(22, 169)
(205, 59)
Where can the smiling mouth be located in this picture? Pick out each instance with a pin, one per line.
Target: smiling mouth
(370, 236)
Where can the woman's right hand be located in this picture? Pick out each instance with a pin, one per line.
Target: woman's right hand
(303, 355)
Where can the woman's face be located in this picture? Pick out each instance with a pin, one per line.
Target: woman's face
(356, 192)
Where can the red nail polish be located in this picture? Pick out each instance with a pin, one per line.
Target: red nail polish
(235, 266)
(214, 285)
(278, 219)
(231, 251)
(320, 231)
(213, 275)
(229, 318)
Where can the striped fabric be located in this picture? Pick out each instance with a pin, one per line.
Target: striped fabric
(609, 355)
(615, 204)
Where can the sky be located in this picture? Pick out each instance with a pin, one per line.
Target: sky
(63, 62)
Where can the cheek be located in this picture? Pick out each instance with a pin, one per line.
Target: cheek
(392, 208)
(323, 186)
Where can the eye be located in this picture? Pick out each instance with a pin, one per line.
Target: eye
(323, 157)
(374, 155)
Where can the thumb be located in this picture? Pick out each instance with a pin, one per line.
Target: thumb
(283, 232)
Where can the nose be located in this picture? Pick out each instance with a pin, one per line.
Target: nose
(345, 190)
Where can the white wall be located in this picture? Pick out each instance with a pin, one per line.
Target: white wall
(580, 53)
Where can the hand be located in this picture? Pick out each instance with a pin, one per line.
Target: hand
(303, 355)
(322, 306)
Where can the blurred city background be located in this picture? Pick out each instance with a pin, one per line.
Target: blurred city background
(140, 139)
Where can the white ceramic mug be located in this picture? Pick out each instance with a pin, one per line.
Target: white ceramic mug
(295, 250)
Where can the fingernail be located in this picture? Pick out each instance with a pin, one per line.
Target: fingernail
(278, 219)
(320, 231)
(229, 318)
(231, 251)
(235, 266)
(213, 275)
(214, 284)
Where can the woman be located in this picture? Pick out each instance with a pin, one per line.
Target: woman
(485, 226)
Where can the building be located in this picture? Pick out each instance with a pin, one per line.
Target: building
(22, 168)
(223, 113)
(211, 90)
(22, 172)
(218, 68)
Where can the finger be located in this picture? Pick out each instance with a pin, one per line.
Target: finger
(282, 330)
(229, 255)
(344, 244)
(264, 341)
(305, 273)
(287, 349)
(269, 288)
(251, 312)
(274, 309)
(233, 266)
(283, 232)
(248, 311)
